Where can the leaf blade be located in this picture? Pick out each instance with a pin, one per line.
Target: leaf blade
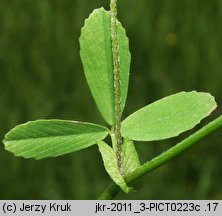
(111, 165)
(51, 138)
(130, 157)
(96, 55)
(169, 116)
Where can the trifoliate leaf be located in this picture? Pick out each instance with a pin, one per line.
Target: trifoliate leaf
(50, 138)
(111, 165)
(130, 157)
(169, 116)
(96, 55)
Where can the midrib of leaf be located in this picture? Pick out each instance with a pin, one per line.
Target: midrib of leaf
(130, 157)
(169, 116)
(111, 165)
(50, 136)
(107, 48)
(89, 59)
(72, 131)
(166, 156)
(96, 56)
(49, 151)
(49, 139)
(29, 147)
(85, 52)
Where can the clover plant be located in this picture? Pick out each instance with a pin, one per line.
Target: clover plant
(104, 50)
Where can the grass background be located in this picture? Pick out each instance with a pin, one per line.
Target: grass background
(175, 46)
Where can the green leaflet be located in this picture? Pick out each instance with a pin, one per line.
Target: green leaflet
(111, 165)
(169, 116)
(96, 55)
(130, 157)
(50, 138)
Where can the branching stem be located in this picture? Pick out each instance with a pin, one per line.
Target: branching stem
(117, 82)
(166, 156)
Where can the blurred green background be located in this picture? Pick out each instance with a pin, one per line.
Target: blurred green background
(175, 46)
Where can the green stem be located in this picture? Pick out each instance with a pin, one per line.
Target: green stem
(117, 82)
(166, 156)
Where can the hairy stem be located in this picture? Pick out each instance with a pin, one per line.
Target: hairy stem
(166, 156)
(117, 82)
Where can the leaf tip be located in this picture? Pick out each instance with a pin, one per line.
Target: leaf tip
(95, 12)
